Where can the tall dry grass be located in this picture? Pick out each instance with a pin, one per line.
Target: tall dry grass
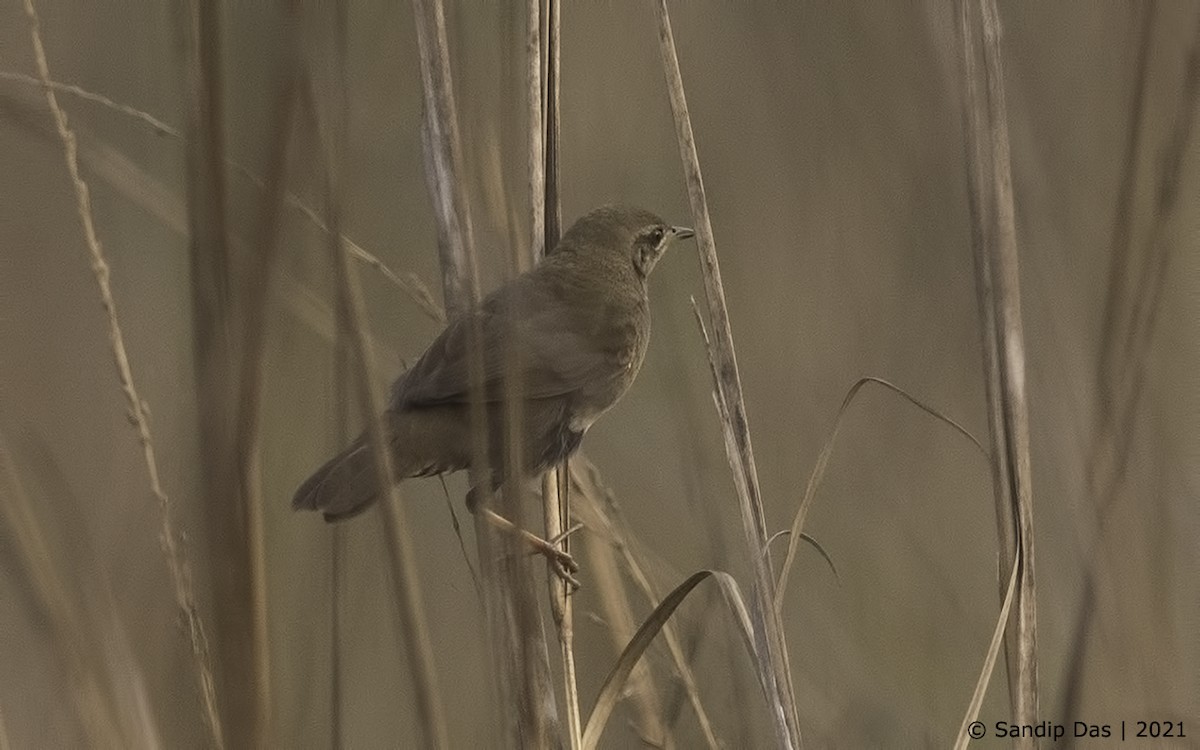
(359, 636)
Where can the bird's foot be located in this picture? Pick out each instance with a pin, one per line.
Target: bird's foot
(561, 562)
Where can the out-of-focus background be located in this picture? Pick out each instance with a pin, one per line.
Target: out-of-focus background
(831, 140)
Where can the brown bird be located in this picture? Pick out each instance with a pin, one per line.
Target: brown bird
(573, 330)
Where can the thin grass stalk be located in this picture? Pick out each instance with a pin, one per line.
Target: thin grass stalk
(393, 513)
(616, 681)
(336, 554)
(255, 293)
(1128, 379)
(553, 207)
(796, 533)
(602, 515)
(768, 626)
(989, 662)
(343, 357)
(535, 155)
(177, 564)
(91, 685)
(1131, 320)
(556, 495)
(215, 342)
(618, 617)
(1120, 255)
(994, 244)
(443, 164)
(409, 283)
(517, 642)
(152, 195)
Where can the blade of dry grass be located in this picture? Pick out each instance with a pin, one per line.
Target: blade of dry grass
(393, 512)
(217, 310)
(95, 706)
(408, 283)
(614, 683)
(536, 155)
(814, 480)
(601, 515)
(255, 291)
(994, 244)
(556, 496)
(1131, 316)
(772, 649)
(520, 656)
(618, 616)
(156, 198)
(177, 564)
(553, 124)
(989, 661)
(1120, 249)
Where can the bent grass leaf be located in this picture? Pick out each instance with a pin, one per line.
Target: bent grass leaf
(818, 471)
(614, 683)
(812, 542)
(989, 661)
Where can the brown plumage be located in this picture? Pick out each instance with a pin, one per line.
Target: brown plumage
(574, 330)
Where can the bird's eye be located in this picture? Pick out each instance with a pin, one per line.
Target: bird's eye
(656, 235)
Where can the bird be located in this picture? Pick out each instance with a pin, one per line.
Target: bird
(573, 331)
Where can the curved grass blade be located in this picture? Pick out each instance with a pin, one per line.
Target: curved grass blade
(812, 542)
(614, 683)
(823, 462)
(989, 661)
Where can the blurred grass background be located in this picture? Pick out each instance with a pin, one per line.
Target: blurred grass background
(831, 140)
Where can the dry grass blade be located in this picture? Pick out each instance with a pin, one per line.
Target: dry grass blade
(536, 155)
(520, 656)
(772, 648)
(994, 245)
(818, 472)
(768, 667)
(159, 127)
(216, 324)
(177, 564)
(1131, 315)
(255, 290)
(617, 613)
(811, 541)
(601, 514)
(989, 661)
(556, 495)
(92, 686)
(409, 283)
(614, 683)
(404, 570)
(1120, 272)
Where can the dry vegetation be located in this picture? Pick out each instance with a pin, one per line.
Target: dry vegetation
(905, 197)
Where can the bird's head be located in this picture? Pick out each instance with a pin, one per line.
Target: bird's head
(632, 234)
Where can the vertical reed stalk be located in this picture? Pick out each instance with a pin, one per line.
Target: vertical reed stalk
(177, 563)
(994, 245)
(556, 496)
(768, 626)
(520, 658)
(393, 512)
(1130, 322)
(255, 293)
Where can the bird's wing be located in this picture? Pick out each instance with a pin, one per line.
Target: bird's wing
(553, 357)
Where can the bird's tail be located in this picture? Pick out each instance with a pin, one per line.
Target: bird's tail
(344, 487)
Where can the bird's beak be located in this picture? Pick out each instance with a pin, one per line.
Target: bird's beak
(682, 233)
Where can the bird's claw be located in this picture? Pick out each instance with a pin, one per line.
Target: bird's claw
(561, 562)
